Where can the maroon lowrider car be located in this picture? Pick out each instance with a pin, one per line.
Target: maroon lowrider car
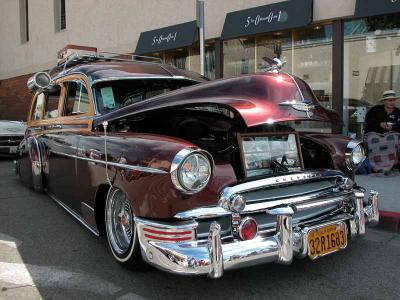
(189, 175)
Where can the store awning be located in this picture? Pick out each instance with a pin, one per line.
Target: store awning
(167, 38)
(267, 18)
(366, 8)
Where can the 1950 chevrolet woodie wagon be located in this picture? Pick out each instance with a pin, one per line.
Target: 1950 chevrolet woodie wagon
(189, 175)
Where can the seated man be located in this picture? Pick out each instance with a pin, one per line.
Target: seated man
(382, 133)
(385, 117)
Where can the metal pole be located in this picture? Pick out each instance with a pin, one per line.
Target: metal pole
(200, 24)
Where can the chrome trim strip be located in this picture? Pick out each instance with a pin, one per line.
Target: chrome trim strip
(203, 213)
(74, 214)
(118, 165)
(266, 182)
(88, 206)
(143, 77)
(322, 203)
(298, 88)
(165, 226)
(301, 203)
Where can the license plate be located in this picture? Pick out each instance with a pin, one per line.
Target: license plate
(13, 149)
(326, 239)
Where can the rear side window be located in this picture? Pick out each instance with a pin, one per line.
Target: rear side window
(77, 98)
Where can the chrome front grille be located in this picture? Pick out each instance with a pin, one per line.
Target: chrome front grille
(312, 196)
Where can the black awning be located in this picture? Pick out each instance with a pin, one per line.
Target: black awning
(267, 18)
(367, 8)
(167, 38)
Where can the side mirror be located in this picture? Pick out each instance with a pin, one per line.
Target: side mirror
(40, 80)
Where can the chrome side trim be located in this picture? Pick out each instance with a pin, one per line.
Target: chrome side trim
(117, 165)
(74, 214)
(203, 213)
(298, 88)
(328, 202)
(88, 206)
(142, 77)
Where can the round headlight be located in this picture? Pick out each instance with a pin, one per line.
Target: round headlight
(358, 155)
(191, 170)
(355, 154)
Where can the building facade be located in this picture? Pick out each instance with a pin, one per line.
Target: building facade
(347, 50)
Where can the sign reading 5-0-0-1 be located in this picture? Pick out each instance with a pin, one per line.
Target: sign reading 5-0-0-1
(272, 16)
(266, 18)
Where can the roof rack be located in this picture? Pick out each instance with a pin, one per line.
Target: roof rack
(75, 59)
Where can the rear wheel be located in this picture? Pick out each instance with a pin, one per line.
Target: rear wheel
(121, 229)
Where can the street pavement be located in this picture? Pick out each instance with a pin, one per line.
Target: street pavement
(46, 253)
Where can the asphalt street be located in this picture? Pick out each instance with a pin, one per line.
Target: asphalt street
(46, 253)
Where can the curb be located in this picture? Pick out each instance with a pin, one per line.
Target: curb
(389, 221)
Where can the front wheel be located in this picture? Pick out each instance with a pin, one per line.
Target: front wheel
(121, 229)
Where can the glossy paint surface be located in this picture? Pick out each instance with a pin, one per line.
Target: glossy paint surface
(256, 98)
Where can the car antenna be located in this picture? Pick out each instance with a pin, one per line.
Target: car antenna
(105, 124)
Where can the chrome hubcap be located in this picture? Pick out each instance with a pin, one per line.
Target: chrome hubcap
(120, 222)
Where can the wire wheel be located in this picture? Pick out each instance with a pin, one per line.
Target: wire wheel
(120, 224)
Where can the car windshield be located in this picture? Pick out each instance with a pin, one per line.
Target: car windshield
(111, 95)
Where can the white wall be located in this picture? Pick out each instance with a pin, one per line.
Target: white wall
(113, 25)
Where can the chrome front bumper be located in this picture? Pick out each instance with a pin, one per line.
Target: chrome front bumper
(213, 256)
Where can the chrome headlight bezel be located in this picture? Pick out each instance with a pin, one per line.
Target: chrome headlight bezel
(354, 149)
(176, 167)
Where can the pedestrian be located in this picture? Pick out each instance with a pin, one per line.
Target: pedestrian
(383, 133)
(384, 117)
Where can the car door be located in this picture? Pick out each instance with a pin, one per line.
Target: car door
(75, 118)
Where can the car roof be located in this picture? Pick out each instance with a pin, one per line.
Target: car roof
(101, 71)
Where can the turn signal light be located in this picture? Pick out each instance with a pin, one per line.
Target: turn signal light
(248, 229)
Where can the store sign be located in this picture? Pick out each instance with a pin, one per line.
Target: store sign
(167, 38)
(267, 18)
(366, 8)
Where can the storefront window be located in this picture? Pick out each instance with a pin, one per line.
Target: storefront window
(189, 59)
(371, 66)
(239, 56)
(307, 52)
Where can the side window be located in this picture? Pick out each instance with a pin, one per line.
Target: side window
(38, 110)
(77, 99)
(52, 100)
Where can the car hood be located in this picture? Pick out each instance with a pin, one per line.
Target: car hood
(12, 128)
(259, 99)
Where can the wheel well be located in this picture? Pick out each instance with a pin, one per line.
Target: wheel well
(99, 205)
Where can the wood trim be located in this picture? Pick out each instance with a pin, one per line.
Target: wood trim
(82, 119)
(242, 158)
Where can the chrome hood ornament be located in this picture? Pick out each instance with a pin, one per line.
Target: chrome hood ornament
(307, 106)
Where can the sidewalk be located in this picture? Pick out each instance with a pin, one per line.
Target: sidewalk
(388, 188)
